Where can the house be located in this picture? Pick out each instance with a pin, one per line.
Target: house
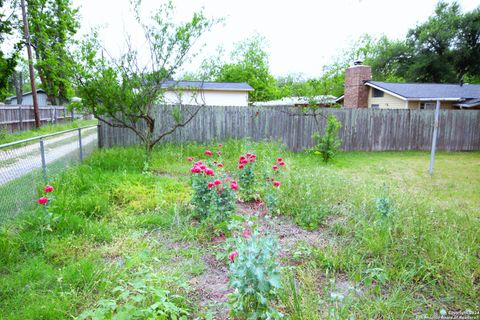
(362, 92)
(27, 99)
(206, 93)
(317, 101)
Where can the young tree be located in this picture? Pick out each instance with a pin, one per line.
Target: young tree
(124, 92)
(7, 63)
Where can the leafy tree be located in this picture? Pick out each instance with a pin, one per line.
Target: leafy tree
(125, 92)
(53, 24)
(7, 63)
(249, 63)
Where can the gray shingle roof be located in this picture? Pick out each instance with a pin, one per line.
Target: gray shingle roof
(430, 90)
(207, 85)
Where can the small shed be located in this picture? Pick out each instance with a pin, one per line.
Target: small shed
(27, 99)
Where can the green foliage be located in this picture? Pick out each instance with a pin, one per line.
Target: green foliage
(53, 26)
(142, 297)
(246, 177)
(255, 276)
(329, 143)
(7, 64)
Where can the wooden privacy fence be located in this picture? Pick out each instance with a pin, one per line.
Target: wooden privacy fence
(19, 117)
(362, 129)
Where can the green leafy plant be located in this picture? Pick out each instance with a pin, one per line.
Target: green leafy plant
(246, 176)
(384, 206)
(272, 185)
(143, 297)
(255, 277)
(329, 143)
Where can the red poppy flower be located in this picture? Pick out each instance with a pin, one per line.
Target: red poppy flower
(248, 155)
(275, 167)
(281, 163)
(219, 153)
(279, 159)
(190, 159)
(244, 161)
(276, 183)
(234, 186)
(240, 166)
(220, 165)
(203, 167)
(48, 189)
(209, 172)
(210, 185)
(232, 255)
(196, 169)
(208, 152)
(220, 145)
(43, 200)
(217, 182)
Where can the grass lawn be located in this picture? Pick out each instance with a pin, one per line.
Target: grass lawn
(374, 237)
(44, 129)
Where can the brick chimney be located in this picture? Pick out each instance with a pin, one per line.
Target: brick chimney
(356, 93)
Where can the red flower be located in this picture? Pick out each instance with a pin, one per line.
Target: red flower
(234, 185)
(232, 255)
(203, 167)
(208, 152)
(246, 233)
(275, 167)
(48, 189)
(220, 145)
(276, 183)
(196, 169)
(198, 163)
(219, 152)
(217, 182)
(43, 200)
(209, 172)
(248, 155)
(252, 159)
(242, 158)
(190, 159)
(210, 185)
(240, 166)
(244, 161)
(220, 165)
(279, 159)
(281, 163)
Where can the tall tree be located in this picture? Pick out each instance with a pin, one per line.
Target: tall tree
(7, 63)
(53, 24)
(125, 92)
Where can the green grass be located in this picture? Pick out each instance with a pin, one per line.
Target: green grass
(44, 129)
(114, 222)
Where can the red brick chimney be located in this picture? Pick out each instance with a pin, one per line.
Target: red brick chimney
(356, 93)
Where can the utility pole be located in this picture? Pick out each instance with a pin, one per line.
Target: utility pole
(30, 65)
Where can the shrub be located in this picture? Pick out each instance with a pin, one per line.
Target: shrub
(329, 143)
(255, 276)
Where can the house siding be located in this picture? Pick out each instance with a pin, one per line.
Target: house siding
(207, 97)
(386, 102)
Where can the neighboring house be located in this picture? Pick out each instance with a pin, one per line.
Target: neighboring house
(317, 101)
(206, 93)
(27, 99)
(362, 92)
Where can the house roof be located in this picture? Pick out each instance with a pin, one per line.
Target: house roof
(25, 94)
(207, 85)
(428, 91)
(289, 101)
(469, 103)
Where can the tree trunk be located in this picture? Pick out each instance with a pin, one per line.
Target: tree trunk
(18, 84)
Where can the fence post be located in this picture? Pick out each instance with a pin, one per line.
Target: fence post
(20, 117)
(99, 136)
(434, 138)
(80, 143)
(44, 163)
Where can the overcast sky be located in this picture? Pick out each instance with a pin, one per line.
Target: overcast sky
(302, 35)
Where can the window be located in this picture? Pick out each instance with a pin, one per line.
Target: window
(428, 105)
(375, 106)
(377, 93)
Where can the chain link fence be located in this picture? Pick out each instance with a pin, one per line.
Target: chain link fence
(27, 164)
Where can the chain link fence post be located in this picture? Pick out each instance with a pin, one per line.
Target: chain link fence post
(80, 143)
(44, 163)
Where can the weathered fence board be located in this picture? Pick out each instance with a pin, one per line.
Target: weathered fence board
(363, 129)
(18, 117)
